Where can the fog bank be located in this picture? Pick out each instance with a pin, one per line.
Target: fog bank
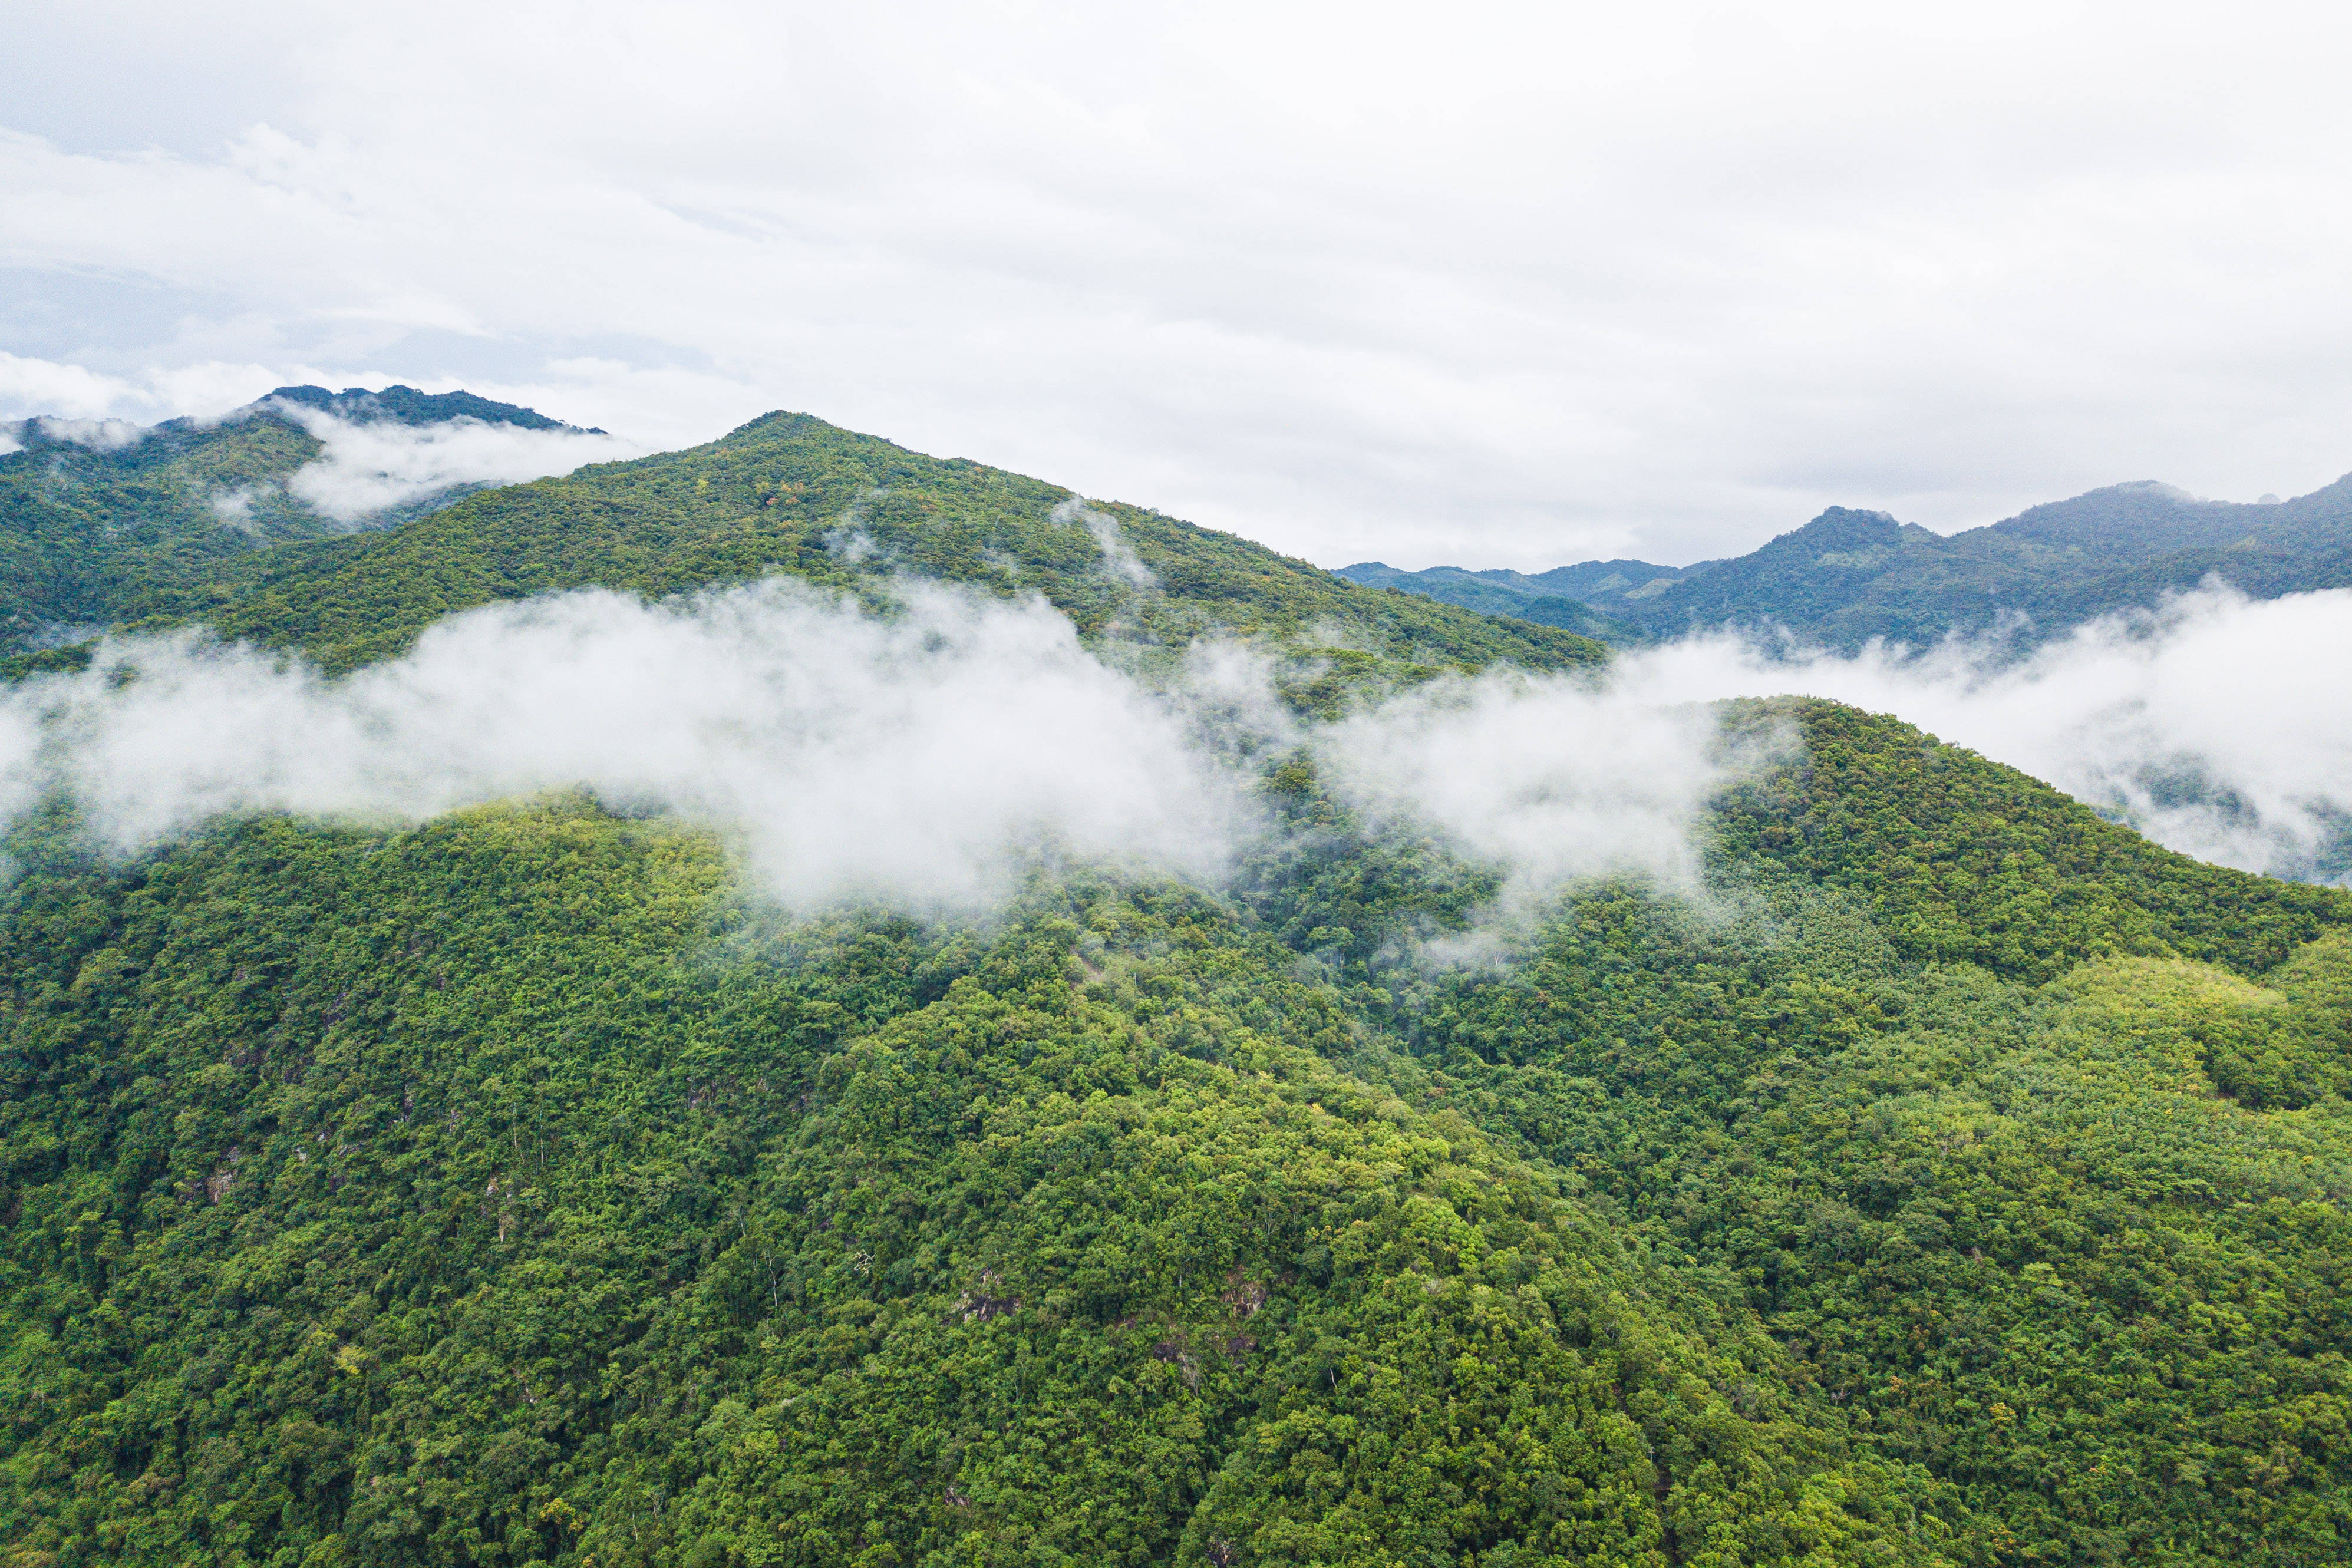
(2220, 726)
(918, 761)
(924, 761)
(921, 761)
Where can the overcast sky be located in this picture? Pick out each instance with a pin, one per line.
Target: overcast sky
(1487, 285)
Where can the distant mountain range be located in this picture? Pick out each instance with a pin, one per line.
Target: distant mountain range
(1566, 596)
(98, 520)
(1849, 575)
(90, 512)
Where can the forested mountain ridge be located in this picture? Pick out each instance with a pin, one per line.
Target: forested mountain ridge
(1560, 598)
(1849, 575)
(1945, 1176)
(94, 515)
(1846, 576)
(789, 493)
(407, 405)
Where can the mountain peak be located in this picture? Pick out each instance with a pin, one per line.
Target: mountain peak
(1843, 528)
(407, 405)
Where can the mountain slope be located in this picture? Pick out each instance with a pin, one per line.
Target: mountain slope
(505, 1190)
(504, 1193)
(1952, 1178)
(1563, 597)
(478, 1210)
(790, 493)
(92, 516)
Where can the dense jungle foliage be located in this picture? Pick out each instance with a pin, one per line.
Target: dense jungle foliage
(84, 530)
(95, 519)
(1849, 575)
(1953, 1178)
(1959, 1179)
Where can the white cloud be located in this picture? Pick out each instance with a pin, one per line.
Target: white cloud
(918, 762)
(1119, 557)
(921, 762)
(367, 467)
(1525, 285)
(2218, 725)
(98, 434)
(37, 386)
(1554, 778)
(203, 390)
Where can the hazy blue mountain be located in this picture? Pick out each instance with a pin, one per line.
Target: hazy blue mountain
(1582, 597)
(1851, 575)
(1831, 571)
(1603, 580)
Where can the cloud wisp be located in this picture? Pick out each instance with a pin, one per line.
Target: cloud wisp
(2215, 724)
(1553, 778)
(1119, 557)
(371, 468)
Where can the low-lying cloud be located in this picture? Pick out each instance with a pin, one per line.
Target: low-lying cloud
(370, 467)
(924, 760)
(1554, 778)
(919, 761)
(98, 434)
(2219, 726)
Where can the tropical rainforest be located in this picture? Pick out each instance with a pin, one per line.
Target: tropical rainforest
(1947, 1176)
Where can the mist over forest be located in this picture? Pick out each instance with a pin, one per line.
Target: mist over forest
(792, 1001)
(1506, 787)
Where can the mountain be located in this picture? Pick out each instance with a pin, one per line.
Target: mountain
(1951, 1176)
(1822, 579)
(790, 493)
(90, 512)
(1564, 596)
(1849, 575)
(407, 405)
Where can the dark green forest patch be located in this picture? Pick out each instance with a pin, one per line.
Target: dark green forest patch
(507, 1189)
